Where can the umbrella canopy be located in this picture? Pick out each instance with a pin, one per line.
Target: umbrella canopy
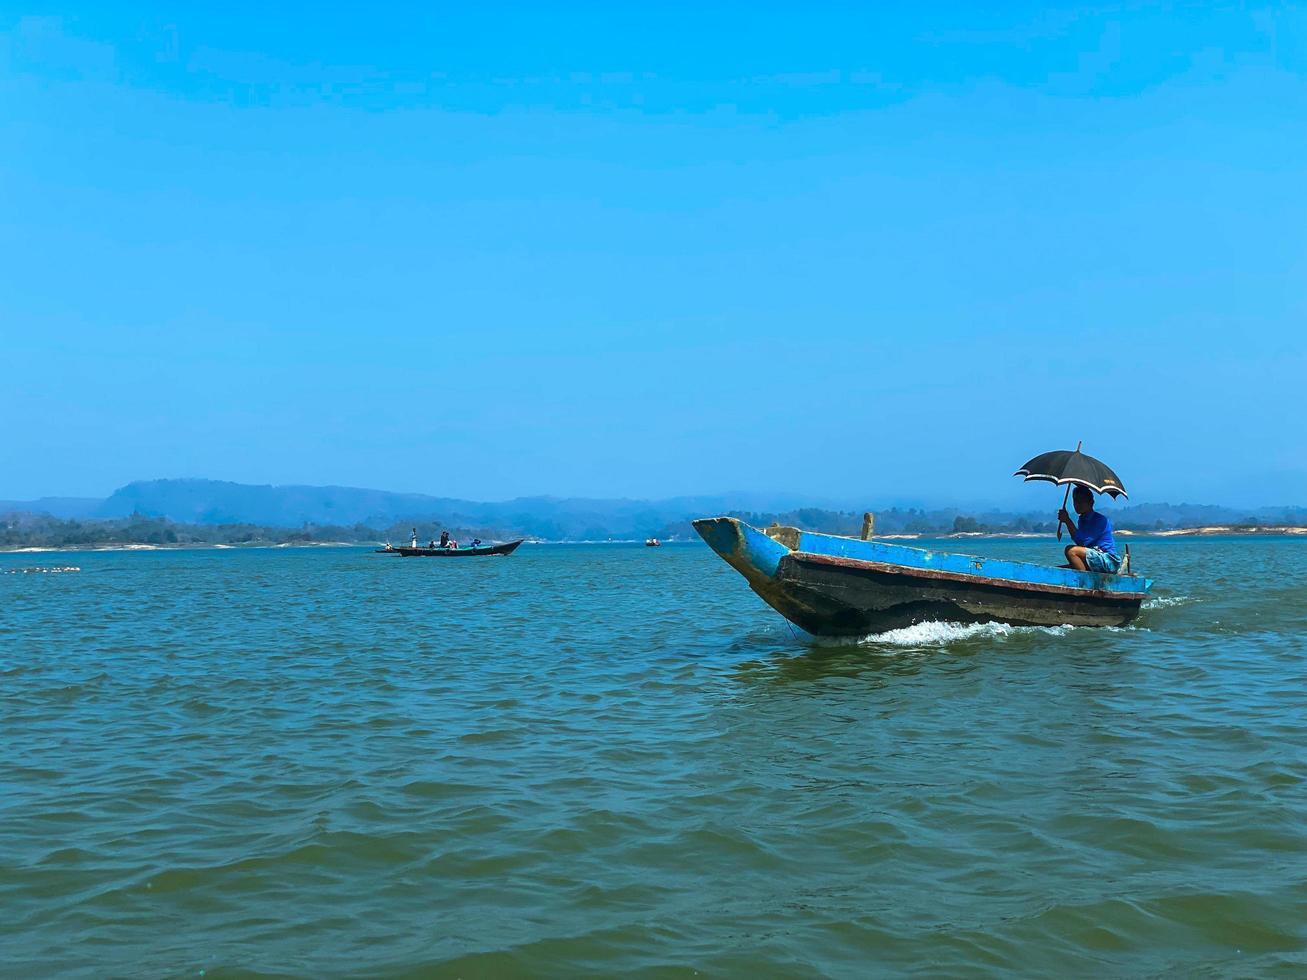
(1063, 466)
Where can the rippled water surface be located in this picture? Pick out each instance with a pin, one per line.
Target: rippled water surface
(611, 759)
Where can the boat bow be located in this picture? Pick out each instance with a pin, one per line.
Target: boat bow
(746, 549)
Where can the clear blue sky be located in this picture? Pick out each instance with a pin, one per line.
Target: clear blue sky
(844, 250)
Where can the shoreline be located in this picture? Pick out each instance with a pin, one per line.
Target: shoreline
(1228, 530)
(196, 546)
(1232, 530)
(1214, 530)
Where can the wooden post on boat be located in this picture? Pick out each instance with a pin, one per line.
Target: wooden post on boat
(868, 525)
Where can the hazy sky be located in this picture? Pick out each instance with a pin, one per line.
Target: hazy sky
(867, 254)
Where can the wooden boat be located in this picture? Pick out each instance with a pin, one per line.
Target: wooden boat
(475, 552)
(652, 543)
(835, 586)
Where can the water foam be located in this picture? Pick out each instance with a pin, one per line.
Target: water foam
(941, 634)
(46, 569)
(1166, 601)
(944, 633)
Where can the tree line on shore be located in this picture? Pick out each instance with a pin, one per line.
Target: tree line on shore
(28, 530)
(42, 531)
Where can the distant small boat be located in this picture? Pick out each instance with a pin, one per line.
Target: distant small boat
(834, 586)
(651, 542)
(476, 551)
(387, 550)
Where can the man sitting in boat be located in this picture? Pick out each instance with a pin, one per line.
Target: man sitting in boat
(1095, 548)
(444, 539)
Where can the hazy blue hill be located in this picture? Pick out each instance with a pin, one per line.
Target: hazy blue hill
(221, 502)
(62, 507)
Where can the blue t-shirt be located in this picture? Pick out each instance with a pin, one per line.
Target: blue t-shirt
(1094, 530)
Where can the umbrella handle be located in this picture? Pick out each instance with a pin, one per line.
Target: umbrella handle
(1067, 496)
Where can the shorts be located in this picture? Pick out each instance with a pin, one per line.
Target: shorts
(1102, 561)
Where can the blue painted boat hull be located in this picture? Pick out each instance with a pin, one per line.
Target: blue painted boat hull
(833, 586)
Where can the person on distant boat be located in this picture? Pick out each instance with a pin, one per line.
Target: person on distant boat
(476, 542)
(444, 539)
(415, 538)
(1095, 548)
(453, 544)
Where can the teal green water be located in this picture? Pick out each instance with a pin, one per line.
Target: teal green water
(611, 760)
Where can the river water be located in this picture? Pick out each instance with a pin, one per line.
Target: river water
(592, 760)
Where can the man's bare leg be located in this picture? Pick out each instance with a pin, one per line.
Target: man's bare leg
(1075, 556)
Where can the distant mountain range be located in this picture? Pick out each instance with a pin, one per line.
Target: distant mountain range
(65, 507)
(215, 502)
(220, 502)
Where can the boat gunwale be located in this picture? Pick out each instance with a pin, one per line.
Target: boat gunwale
(938, 574)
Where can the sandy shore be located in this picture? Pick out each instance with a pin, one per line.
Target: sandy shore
(1233, 530)
(1236, 529)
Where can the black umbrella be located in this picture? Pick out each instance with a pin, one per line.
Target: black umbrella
(1064, 467)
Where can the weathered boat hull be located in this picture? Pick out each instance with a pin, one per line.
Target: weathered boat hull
(832, 586)
(494, 549)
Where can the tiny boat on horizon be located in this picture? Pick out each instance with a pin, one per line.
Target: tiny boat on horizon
(836, 586)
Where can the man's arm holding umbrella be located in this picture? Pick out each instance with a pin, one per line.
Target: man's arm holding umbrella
(1064, 518)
